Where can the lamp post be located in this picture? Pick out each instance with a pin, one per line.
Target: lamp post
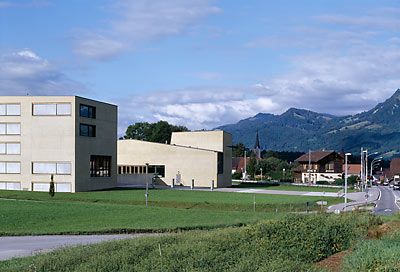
(374, 161)
(261, 173)
(345, 181)
(366, 167)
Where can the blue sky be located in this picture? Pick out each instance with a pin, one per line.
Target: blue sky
(203, 63)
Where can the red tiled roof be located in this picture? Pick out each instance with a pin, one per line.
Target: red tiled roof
(316, 156)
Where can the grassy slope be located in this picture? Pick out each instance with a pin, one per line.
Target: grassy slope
(291, 244)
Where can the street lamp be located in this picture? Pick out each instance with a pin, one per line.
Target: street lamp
(374, 161)
(345, 181)
(261, 173)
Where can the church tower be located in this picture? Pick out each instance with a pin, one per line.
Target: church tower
(257, 149)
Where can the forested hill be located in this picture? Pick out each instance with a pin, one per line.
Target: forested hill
(300, 130)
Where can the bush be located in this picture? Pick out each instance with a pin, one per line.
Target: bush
(237, 175)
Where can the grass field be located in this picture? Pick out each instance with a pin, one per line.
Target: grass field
(31, 217)
(183, 199)
(291, 244)
(118, 211)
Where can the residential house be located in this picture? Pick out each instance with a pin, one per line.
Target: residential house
(320, 166)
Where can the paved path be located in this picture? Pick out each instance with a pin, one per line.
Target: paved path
(22, 246)
(387, 203)
(359, 199)
(244, 190)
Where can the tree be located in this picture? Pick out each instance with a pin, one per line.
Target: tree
(159, 132)
(252, 166)
(51, 189)
(238, 150)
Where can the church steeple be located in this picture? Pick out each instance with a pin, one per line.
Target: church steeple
(257, 148)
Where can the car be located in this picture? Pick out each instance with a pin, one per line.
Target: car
(396, 186)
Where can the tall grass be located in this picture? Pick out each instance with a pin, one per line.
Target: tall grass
(291, 244)
(375, 255)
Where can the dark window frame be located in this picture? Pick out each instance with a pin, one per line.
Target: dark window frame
(91, 111)
(91, 130)
(157, 170)
(100, 166)
(220, 163)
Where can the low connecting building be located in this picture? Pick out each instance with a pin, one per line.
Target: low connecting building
(70, 137)
(202, 156)
(320, 166)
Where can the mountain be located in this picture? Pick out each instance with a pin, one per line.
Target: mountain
(300, 130)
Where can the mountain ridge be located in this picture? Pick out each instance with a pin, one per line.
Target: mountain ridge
(377, 129)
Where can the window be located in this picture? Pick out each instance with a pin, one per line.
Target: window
(87, 111)
(220, 163)
(10, 148)
(10, 167)
(52, 109)
(157, 170)
(10, 109)
(100, 166)
(87, 130)
(59, 187)
(57, 168)
(10, 186)
(10, 129)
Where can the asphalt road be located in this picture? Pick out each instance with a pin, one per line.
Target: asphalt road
(387, 201)
(22, 246)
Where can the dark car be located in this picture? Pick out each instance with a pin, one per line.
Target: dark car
(396, 186)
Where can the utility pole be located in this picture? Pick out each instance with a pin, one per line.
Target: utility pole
(345, 181)
(245, 167)
(366, 170)
(362, 169)
(309, 166)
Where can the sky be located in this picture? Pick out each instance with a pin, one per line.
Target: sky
(203, 63)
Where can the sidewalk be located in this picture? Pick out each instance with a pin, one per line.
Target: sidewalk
(244, 190)
(359, 199)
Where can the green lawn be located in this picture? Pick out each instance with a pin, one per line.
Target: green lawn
(116, 211)
(183, 199)
(30, 217)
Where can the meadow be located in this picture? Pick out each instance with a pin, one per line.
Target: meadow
(122, 211)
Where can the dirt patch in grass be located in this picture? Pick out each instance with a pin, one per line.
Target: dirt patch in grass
(384, 229)
(333, 262)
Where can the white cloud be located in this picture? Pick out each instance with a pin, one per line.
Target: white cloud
(25, 72)
(142, 21)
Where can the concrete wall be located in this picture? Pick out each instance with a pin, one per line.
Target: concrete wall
(43, 139)
(104, 144)
(217, 140)
(55, 138)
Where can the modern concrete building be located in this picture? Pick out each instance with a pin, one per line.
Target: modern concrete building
(201, 155)
(70, 137)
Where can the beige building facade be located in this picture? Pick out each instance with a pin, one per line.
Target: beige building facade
(202, 156)
(70, 137)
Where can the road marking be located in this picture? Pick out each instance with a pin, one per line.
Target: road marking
(380, 194)
(395, 200)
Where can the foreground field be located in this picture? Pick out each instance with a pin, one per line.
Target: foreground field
(290, 244)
